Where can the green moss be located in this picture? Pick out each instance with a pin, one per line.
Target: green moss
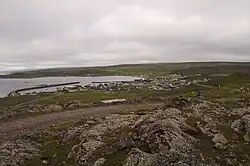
(52, 150)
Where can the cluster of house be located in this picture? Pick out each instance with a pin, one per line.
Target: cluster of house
(112, 86)
(173, 81)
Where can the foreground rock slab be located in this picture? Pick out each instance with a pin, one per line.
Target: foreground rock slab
(136, 157)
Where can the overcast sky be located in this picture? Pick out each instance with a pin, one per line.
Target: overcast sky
(58, 33)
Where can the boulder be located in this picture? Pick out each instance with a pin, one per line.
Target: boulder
(54, 108)
(72, 105)
(219, 138)
(15, 152)
(82, 153)
(188, 129)
(242, 125)
(136, 157)
(14, 94)
(99, 162)
(125, 142)
(177, 102)
(240, 111)
(72, 133)
(228, 162)
(236, 125)
(162, 133)
(44, 162)
(247, 136)
(111, 123)
(220, 146)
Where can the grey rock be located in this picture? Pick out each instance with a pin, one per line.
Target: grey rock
(54, 107)
(228, 162)
(83, 152)
(236, 125)
(72, 133)
(245, 122)
(187, 128)
(91, 122)
(13, 153)
(240, 111)
(125, 142)
(99, 162)
(72, 105)
(220, 146)
(44, 162)
(247, 136)
(165, 136)
(219, 138)
(111, 123)
(136, 157)
(242, 125)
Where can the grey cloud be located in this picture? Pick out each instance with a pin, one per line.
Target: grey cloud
(57, 33)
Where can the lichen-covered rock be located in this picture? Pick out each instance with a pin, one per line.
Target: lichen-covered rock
(136, 157)
(240, 111)
(54, 108)
(219, 138)
(242, 125)
(99, 162)
(73, 105)
(206, 107)
(162, 134)
(111, 123)
(92, 138)
(201, 106)
(245, 123)
(208, 126)
(125, 142)
(173, 113)
(188, 129)
(83, 152)
(13, 153)
(72, 133)
(236, 125)
(220, 146)
(247, 136)
(220, 141)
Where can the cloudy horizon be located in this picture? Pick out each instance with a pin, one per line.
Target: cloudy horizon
(62, 33)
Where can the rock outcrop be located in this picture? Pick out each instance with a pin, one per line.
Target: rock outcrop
(93, 139)
(136, 157)
(99, 162)
(161, 133)
(157, 138)
(220, 141)
(13, 153)
(84, 151)
(188, 134)
(112, 123)
(242, 126)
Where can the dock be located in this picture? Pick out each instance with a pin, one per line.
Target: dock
(46, 86)
(108, 82)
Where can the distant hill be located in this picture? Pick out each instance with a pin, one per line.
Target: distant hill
(185, 68)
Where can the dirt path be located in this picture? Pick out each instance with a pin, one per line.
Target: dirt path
(28, 125)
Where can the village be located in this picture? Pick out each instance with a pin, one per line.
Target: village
(157, 83)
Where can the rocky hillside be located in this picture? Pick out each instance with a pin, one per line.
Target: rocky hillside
(182, 133)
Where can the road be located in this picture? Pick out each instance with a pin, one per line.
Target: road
(23, 126)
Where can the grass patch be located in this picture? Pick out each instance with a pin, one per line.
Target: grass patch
(53, 151)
